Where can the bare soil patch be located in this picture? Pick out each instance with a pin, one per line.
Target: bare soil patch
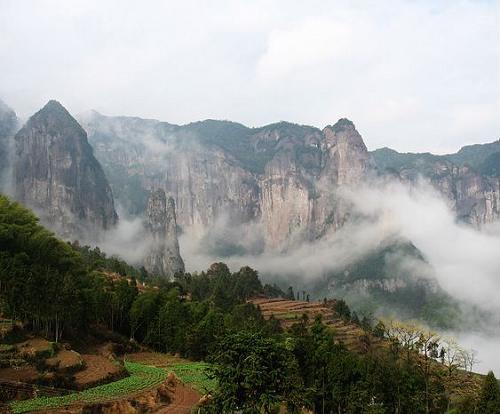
(98, 370)
(26, 373)
(65, 360)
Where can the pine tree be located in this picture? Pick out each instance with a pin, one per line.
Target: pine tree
(490, 395)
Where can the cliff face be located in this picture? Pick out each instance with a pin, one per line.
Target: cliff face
(283, 176)
(468, 180)
(8, 127)
(164, 258)
(58, 176)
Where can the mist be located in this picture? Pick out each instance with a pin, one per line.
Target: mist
(464, 261)
(129, 239)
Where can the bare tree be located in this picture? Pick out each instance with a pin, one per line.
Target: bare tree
(469, 358)
(451, 355)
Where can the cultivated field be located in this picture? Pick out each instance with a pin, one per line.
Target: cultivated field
(141, 378)
(289, 312)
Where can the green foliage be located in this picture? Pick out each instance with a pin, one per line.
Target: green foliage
(489, 402)
(96, 259)
(30, 258)
(141, 378)
(195, 374)
(255, 374)
(341, 308)
(55, 287)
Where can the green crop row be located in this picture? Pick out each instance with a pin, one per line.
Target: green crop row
(195, 374)
(141, 378)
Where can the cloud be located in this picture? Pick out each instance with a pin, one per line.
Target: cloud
(128, 240)
(463, 260)
(413, 75)
(466, 261)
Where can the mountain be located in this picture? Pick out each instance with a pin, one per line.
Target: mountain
(283, 176)
(469, 179)
(57, 175)
(244, 190)
(8, 127)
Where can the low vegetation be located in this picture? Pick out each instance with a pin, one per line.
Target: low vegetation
(141, 378)
(257, 363)
(195, 374)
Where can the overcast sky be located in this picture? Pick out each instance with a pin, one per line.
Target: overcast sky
(412, 75)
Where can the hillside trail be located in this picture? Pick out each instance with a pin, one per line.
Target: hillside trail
(183, 400)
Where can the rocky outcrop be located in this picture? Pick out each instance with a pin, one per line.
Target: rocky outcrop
(283, 176)
(474, 196)
(164, 258)
(8, 127)
(57, 175)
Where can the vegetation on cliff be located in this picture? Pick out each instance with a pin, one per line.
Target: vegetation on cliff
(259, 365)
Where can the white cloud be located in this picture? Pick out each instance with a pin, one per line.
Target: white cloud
(412, 75)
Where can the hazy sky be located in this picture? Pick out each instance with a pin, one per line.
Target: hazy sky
(413, 75)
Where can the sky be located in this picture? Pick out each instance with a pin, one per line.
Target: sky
(412, 75)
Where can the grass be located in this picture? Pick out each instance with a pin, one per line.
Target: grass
(194, 374)
(141, 378)
(7, 348)
(287, 315)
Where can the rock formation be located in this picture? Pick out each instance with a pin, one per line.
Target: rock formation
(8, 127)
(471, 189)
(282, 176)
(164, 258)
(57, 175)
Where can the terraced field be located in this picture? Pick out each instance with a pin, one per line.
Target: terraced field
(189, 372)
(141, 378)
(289, 312)
(195, 375)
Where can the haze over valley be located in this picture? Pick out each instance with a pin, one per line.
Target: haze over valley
(155, 147)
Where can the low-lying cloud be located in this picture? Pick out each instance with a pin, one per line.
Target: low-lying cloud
(465, 260)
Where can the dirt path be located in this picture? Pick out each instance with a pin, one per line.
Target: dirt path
(184, 398)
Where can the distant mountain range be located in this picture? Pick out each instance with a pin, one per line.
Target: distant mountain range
(278, 185)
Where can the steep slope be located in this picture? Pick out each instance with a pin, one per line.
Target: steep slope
(474, 193)
(58, 176)
(283, 176)
(8, 127)
(164, 258)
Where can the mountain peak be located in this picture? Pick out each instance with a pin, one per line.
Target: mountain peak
(342, 124)
(54, 106)
(54, 116)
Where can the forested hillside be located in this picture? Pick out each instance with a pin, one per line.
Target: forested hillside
(63, 291)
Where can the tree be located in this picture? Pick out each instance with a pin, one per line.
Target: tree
(489, 402)
(246, 283)
(469, 359)
(340, 307)
(255, 374)
(41, 277)
(143, 312)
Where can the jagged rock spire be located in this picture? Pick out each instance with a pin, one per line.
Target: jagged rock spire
(164, 258)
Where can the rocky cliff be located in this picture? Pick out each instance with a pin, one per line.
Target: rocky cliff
(8, 127)
(275, 187)
(468, 180)
(164, 258)
(282, 176)
(57, 175)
